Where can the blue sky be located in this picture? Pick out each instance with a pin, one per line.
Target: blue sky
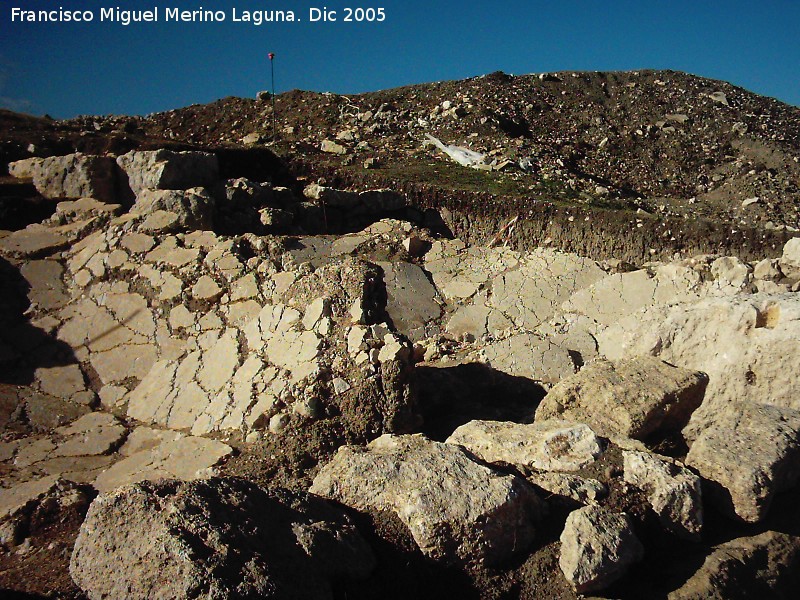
(102, 68)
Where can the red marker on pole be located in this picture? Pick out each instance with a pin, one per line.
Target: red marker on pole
(272, 69)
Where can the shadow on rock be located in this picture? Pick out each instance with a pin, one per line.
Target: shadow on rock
(451, 396)
(402, 571)
(24, 347)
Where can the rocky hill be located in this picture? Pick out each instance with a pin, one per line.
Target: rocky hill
(685, 164)
(345, 366)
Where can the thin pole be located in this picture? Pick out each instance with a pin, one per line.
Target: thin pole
(272, 69)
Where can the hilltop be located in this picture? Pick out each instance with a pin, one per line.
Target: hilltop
(664, 142)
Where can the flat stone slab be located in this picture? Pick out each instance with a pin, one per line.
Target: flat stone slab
(412, 299)
(181, 457)
(34, 240)
(15, 498)
(531, 356)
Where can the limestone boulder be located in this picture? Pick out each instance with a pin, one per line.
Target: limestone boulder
(747, 344)
(175, 210)
(72, 176)
(790, 259)
(457, 510)
(35, 241)
(764, 565)
(221, 538)
(747, 455)
(168, 170)
(632, 398)
(549, 445)
(674, 491)
(597, 548)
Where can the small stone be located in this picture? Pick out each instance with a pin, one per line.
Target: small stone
(719, 98)
(393, 349)
(254, 437)
(279, 422)
(767, 270)
(750, 201)
(251, 139)
(340, 386)
(729, 270)
(332, 147)
(357, 314)
(83, 278)
(318, 309)
(137, 242)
